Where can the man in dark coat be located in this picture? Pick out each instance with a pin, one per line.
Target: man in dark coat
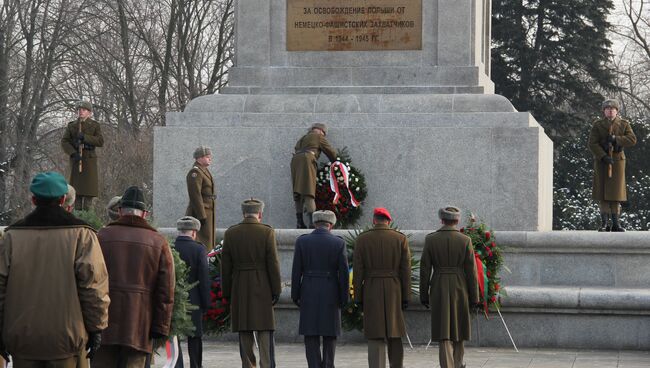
(320, 285)
(141, 285)
(452, 289)
(250, 273)
(608, 137)
(382, 284)
(202, 193)
(79, 141)
(303, 170)
(193, 254)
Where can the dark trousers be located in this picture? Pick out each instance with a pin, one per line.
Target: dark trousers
(377, 352)
(194, 349)
(247, 349)
(313, 352)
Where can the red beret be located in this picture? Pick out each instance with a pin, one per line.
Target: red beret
(381, 211)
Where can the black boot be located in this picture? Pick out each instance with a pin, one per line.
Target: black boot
(310, 222)
(616, 227)
(300, 224)
(604, 225)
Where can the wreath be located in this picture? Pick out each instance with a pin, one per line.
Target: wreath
(216, 320)
(488, 262)
(341, 188)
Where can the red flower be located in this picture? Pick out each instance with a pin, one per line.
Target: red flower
(487, 235)
(462, 229)
(224, 301)
(489, 252)
(497, 287)
(487, 273)
(493, 299)
(493, 244)
(219, 294)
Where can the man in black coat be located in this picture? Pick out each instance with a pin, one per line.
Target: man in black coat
(193, 254)
(320, 287)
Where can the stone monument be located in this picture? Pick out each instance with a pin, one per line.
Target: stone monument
(403, 84)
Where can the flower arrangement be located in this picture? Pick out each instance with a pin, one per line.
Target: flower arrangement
(341, 188)
(216, 319)
(488, 261)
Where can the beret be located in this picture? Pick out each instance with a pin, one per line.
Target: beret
(49, 185)
(381, 211)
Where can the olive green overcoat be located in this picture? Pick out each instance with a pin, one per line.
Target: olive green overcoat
(604, 187)
(382, 280)
(86, 182)
(202, 205)
(453, 286)
(304, 162)
(250, 273)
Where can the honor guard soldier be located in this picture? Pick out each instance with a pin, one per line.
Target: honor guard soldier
(202, 193)
(250, 273)
(80, 139)
(382, 283)
(452, 289)
(304, 168)
(320, 286)
(609, 136)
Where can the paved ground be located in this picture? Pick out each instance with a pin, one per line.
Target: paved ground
(226, 355)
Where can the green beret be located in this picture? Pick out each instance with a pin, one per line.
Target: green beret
(252, 206)
(449, 213)
(49, 185)
(188, 223)
(202, 151)
(85, 105)
(320, 126)
(611, 103)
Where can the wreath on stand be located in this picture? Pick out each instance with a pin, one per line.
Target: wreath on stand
(341, 188)
(216, 319)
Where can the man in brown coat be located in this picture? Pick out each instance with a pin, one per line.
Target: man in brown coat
(609, 136)
(53, 283)
(141, 272)
(79, 141)
(201, 190)
(250, 273)
(304, 168)
(382, 283)
(452, 288)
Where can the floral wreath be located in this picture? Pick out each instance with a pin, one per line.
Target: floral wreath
(343, 192)
(216, 320)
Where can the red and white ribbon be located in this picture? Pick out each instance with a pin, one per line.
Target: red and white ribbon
(335, 186)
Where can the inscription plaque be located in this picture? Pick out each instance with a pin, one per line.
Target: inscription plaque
(354, 25)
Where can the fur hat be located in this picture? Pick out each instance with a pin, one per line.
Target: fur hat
(449, 213)
(320, 126)
(188, 223)
(70, 196)
(252, 206)
(381, 211)
(610, 102)
(133, 197)
(112, 208)
(202, 151)
(324, 216)
(49, 185)
(85, 105)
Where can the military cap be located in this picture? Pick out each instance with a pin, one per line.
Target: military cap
(252, 206)
(133, 197)
(610, 102)
(450, 213)
(85, 105)
(70, 196)
(188, 223)
(320, 126)
(112, 207)
(202, 151)
(49, 185)
(324, 216)
(381, 211)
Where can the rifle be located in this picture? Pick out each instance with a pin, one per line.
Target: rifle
(610, 150)
(81, 149)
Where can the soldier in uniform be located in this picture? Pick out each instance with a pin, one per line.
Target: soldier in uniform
(250, 273)
(320, 285)
(201, 190)
(80, 139)
(304, 168)
(452, 289)
(609, 136)
(381, 279)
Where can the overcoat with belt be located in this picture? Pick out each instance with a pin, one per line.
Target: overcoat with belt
(86, 182)
(250, 273)
(304, 162)
(382, 280)
(453, 286)
(320, 281)
(201, 190)
(193, 254)
(606, 188)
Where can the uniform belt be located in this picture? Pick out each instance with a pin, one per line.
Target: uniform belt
(382, 274)
(449, 271)
(247, 267)
(209, 196)
(88, 147)
(305, 151)
(318, 274)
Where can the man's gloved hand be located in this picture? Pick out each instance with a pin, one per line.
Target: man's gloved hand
(80, 136)
(611, 139)
(4, 353)
(93, 344)
(203, 222)
(296, 302)
(274, 299)
(405, 304)
(425, 303)
(75, 156)
(358, 304)
(476, 307)
(608, 160)
(156, 335)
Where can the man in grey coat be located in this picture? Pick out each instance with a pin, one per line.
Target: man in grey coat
(320, 286)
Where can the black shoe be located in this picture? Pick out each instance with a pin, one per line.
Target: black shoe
(300, 224)
(616, 227)
(604, 226)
